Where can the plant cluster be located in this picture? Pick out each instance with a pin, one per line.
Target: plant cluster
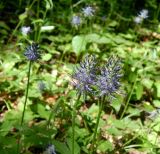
(79, 77)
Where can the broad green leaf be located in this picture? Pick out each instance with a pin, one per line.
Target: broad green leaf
(92, 37)
(95, 38)
(76, 146)
(79, 44)
(61, 147)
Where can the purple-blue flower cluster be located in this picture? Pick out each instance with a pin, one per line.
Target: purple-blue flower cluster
(92, 78)
(108, 82)
(84, 75)
(88, 11)
(76, 20)
(32, 53)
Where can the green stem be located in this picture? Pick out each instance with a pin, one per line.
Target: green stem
(100, 104)
(24, 107)
(73, 123)
(26, 96)
(127, 103)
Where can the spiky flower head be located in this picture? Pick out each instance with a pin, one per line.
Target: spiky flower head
(32, 53)
(25, 30)
(84, 75)
(50, 149)
(76, 20)
(108, 81)
(143, 14)
(92, 78)
(88, 11)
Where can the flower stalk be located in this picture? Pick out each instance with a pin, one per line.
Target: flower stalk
(27, 89)
(73, 123)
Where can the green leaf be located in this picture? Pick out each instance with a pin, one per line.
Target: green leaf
(41, 109)
(114, 131)
(92, 37)
(46, 57)
(79, 44)
(95, 38)
(23, 16)
(139, 90)
(4, 25)
(156, 103)
(105, 146)
(148, 83)
(61, 147)
(76, 146)
(157, 85)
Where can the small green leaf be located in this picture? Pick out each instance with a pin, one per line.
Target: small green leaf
(147, 83)
(139, 90)
(47, 57)
(157, 85)
(105, 146)
(23, 16)
(156, 103)
(42, 111)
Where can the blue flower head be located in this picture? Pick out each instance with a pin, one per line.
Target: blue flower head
(108, 81)
(84, 75)
(50, 149)
(90, 78)
(32, 53)
(76, 21)
(88, 11)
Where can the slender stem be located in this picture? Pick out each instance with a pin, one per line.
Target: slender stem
(100, 104)
(26, 96)
(73, 123)
(24, 107)
(126, 105)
